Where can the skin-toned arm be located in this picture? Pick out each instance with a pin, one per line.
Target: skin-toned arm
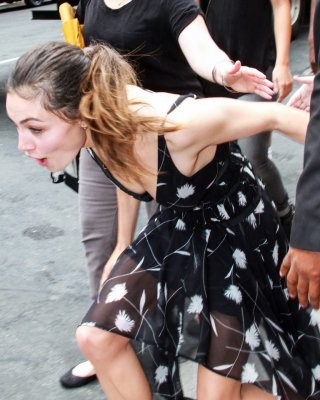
(204, 56)
(213, 121)
(281, 75)
(128, 208)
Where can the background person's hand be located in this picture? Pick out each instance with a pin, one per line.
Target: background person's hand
(246, 79)
(302, 271)
(302, 97)
(282, 81)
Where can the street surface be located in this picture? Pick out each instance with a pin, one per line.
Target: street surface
(43, 288)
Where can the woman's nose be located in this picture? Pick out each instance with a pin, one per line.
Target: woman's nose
(25, 143)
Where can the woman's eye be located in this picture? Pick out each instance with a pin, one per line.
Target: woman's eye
(35, 130)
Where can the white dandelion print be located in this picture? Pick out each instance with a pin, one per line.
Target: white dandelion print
(252, 220)
(272, 350)
(260, 208)
(249, 172)
(249, 373)
(240, 258)
(161, 374)
(316, 372)
(242, 199)
(222, 211)
(196, 305)
(233, 293)
(315, 317)
(252, 337)
(123, 322)
(275, 253)
(185, 191)
(180, 225)
(117, 292)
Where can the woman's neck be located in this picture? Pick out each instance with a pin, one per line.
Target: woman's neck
(115, 4)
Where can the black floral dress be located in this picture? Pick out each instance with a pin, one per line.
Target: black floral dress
(210, 257)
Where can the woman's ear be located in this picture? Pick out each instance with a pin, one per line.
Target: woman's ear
(83, 125)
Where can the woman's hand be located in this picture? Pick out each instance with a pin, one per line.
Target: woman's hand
(245, 79)
(302, 97)
(110, 263)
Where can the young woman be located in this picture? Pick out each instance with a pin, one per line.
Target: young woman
(212, 251)
(170, 46)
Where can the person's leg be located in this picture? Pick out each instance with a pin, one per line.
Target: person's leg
(212, 386)
(108, 349)
(256, 150)
(98, 217)
(98, 224)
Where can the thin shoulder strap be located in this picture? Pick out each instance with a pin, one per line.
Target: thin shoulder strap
(179, 100)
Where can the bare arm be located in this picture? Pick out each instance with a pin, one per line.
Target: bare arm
(281, 76)
(217, 120)
(128, 209)
(211, 63)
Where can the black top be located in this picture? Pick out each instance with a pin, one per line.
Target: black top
(148, 30)
(244, 30)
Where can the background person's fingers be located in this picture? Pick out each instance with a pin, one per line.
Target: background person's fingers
(292, 282)
(303, 291)
(314, 294)
(285, 266)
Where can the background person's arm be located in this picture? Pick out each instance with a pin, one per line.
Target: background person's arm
(302, 264)
(281, 75)
(213, 64)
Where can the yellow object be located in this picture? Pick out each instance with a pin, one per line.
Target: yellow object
(71, 28)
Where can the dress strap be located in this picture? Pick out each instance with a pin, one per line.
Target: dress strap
(179, 100)
(161, 140)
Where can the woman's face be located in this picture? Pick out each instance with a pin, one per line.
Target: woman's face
(52, 142)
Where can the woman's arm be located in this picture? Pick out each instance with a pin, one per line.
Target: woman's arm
(281, 75)
(213, 64)
(213, 121)
(128, 209)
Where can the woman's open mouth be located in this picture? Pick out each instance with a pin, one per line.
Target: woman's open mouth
(43, 162)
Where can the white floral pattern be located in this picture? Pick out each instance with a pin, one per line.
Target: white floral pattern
(240, 258)
(196, 305)
(249, 373)
(272, 350)
(180, 225)
(233, 293)
(252, 337)
(161, 374)
(117, 292)
(213, 250)
(123, 322)
(185, 191)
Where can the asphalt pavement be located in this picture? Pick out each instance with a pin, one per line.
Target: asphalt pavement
(44, 288)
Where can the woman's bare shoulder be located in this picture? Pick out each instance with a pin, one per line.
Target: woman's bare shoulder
(156, 103)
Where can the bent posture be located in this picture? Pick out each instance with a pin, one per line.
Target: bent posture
(212, 251)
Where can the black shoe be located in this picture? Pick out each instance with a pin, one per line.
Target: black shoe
(286, 221)
(69, 381)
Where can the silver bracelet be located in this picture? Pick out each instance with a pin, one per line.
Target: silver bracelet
(214, 70)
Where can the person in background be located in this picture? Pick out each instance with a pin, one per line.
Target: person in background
(169, 44)
(301, 266)
(213, 249)
(258, 32)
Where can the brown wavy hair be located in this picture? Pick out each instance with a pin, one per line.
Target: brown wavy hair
(90, 84)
